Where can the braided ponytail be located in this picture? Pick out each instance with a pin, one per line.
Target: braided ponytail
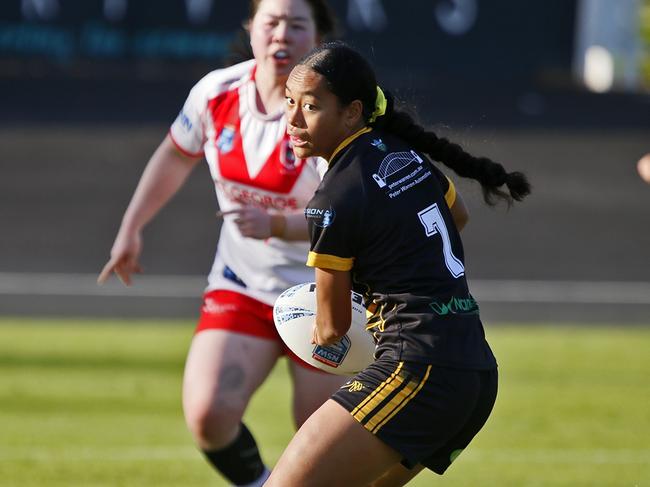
(350, 77)
(491, 175)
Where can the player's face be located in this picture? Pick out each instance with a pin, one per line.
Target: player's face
(282, 31)
(316, 121)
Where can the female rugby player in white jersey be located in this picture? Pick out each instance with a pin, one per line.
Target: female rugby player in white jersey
(233, 118)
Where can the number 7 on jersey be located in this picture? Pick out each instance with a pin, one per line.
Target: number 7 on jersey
(433, 223)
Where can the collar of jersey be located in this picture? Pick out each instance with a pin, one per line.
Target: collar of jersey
(348, 141)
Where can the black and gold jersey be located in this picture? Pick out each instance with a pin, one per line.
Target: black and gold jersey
(382, 212)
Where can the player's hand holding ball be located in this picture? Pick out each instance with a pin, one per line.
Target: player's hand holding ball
(294, 314)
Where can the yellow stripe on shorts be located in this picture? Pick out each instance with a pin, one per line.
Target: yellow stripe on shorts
(364, 407)
(407, 394)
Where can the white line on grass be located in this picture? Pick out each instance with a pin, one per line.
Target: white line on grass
(484, 290)
(125, 454)
(52, 284)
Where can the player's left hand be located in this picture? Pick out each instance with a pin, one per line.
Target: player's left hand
(251, 221)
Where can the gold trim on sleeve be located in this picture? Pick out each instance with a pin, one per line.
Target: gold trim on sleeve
(450, 195)
(327, 261)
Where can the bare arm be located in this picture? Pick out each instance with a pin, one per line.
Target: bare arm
(259, 223)
(333, 310)
(290, 225)
(165, 173)
(459, 212)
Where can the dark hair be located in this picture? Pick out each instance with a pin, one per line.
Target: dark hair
(349, 76)
(240, 49)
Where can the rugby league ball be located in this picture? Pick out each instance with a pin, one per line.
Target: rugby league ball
(294, 314)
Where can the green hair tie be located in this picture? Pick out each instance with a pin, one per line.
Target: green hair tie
(380, 106)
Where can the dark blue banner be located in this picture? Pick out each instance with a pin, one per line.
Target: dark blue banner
(466, 39)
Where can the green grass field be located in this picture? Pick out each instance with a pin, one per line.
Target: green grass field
(97, 403)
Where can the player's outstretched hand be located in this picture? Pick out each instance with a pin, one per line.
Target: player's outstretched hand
(251, 221)
(124, 260)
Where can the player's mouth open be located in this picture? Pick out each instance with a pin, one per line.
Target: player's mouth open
(282, 56)
(297, 141)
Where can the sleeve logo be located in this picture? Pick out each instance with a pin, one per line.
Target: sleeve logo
(321, 217)
(185, 121)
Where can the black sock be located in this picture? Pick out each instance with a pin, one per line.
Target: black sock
(239, 462)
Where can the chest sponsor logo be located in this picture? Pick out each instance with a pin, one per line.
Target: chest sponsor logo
(455, 306)
(321, 217)
(225, 141)
(400, 171)
(245, 195)
(394, 165)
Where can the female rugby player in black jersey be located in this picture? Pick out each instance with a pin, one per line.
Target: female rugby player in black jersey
(382, 222)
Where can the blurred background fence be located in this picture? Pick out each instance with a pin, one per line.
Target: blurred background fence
(556, 88)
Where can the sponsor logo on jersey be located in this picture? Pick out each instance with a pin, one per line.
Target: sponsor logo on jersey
(332, 355)
(393, 166)
(400, 171)
(185, 121)
(249, 196)
(226, 139)
(321, 217)
(455, 306)
(379, 144)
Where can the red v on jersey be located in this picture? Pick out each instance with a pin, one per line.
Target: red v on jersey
(220, 120)
(281, 169)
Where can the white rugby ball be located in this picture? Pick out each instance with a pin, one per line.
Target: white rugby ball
(294, 314)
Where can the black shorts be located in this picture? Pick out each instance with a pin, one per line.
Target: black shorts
(428, 414)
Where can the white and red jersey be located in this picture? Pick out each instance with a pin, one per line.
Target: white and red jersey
(252, 163)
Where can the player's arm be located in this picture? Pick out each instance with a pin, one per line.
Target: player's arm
(290, 225)
(455, 203)
(334, 312)
(254, 222)
(459, 212)
(165, 173)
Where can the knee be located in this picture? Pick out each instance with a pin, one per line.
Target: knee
(213, 424)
